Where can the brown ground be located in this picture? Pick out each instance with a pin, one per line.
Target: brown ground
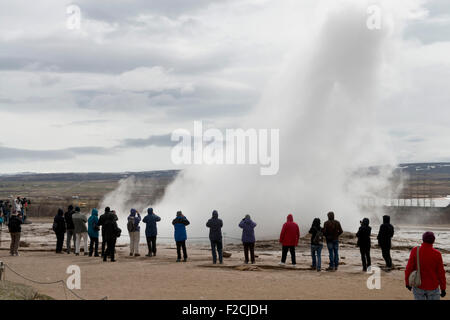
(161, 277)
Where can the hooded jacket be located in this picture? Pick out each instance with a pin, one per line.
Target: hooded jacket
(248, 230)
(68, 218)
(92, 222)
(363, 234)
(79, 222)
(59, 222)
(332, 228)
(290, 233)
(179, 224)
(137, 218)
(432, 272)
(150, 220)
(215, 227)
(385, 233)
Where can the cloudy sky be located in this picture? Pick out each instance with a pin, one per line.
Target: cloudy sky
(106, 96)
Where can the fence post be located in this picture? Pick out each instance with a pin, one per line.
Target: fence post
(2, 268)
(224, 241)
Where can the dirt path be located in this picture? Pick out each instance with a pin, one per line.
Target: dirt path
(161, 277)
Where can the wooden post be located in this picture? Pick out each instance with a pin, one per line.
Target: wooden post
(2, 268)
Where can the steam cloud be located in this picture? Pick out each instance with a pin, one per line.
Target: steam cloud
(323, 101)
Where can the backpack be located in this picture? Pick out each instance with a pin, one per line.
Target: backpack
(118, 232)
(130, 225)
(318, 238)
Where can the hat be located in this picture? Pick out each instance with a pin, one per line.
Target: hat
(428, 237)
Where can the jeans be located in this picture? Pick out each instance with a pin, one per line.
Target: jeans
(70, 234)
(333, 251)
(134, 242)
(181, 245)
(103, 245)
(15, 241)
(93, 242)
(316, 252)
(216, 244)
(365, 257)
(110, 249)
(249, 246)
(59, 241)
(420, 294)
(84, 236)
(284, 252)
(386, 252)
(151, 244)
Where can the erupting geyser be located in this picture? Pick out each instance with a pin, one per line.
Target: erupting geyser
(322, 101)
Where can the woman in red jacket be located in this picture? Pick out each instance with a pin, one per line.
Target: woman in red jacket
(290, 233)
(432, 272)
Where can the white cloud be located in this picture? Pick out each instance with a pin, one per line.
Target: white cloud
(148, 67)
(152, 79)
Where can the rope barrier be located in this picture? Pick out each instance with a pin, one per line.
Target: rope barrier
(191, 238)
(48, 283)
(63, 283)
(164, 237)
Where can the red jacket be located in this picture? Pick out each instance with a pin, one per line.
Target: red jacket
(432, 272)
(290, 233)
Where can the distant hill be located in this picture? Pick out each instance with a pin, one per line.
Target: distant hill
(50, 191)
(425, 168)
(89, 176)
(431, 168)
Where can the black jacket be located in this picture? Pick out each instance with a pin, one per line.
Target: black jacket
(386, 233)
(102, 219)
(313, 231)
(215, 227)
(363, 234)
(69, 221)
(108, 222)
(59, 223)
(14, 224)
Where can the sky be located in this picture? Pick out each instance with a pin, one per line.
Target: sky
(107, 96)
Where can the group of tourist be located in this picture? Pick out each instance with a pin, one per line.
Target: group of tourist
(18, 206)
(78, 227)
(424, 260)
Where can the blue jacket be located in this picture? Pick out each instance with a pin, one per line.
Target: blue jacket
(93, 220)
(180, 224)
(248, 232)
(137, 219)
(150, 221)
